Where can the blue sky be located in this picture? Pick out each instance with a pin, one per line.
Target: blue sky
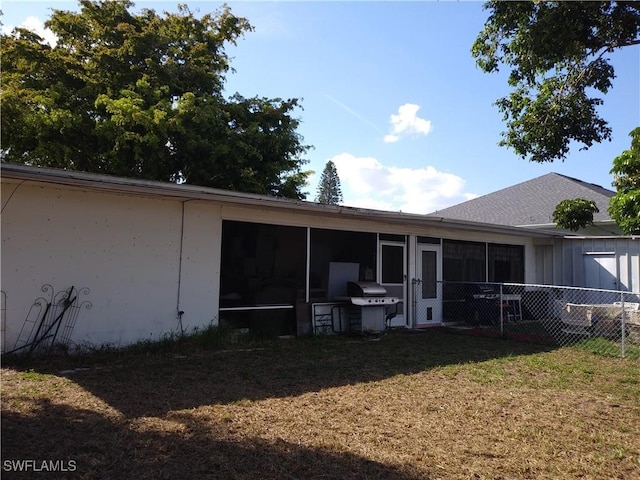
(391, 94)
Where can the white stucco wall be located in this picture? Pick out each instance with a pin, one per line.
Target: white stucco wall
(200, 279)
(126, 250)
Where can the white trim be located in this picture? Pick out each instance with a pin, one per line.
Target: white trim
(403, 284)
(437, 248)
(256, 307)
(167, 190)
(307, 280)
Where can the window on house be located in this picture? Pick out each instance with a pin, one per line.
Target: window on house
(463, 261)
(506, 263)
(393, 264)
(340, 246)
(261, 263)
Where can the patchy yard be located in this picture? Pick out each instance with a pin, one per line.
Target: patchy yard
(408, 406)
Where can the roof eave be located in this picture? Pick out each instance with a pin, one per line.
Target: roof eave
(186, 192)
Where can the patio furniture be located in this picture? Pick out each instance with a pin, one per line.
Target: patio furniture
(603, 320)
(632, 319)
(512, 307)
(576, 319)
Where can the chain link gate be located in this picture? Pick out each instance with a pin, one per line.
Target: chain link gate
(603, 321)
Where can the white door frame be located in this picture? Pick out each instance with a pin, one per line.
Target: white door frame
(401, 319)
(427, 311)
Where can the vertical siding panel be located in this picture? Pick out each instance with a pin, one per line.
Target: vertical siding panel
(634, 265)
(626, 250)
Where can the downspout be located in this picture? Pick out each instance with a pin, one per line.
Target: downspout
(180, 312)
(11, 196)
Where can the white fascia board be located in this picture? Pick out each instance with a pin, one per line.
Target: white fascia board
(185, 192)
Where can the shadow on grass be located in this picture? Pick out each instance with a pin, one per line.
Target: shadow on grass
(97, 447)
(154, 384)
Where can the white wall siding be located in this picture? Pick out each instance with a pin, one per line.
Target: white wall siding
(201, 250)
(544, 272)
(125, 249)
(625, 250)
(628, 257)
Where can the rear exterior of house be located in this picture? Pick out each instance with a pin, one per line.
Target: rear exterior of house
(149, 258)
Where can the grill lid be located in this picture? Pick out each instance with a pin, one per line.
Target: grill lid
(365, 289)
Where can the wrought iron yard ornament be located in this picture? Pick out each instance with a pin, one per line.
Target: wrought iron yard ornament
(50, 320)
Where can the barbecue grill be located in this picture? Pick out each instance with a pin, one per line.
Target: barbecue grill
(370, 303)
(483, 301)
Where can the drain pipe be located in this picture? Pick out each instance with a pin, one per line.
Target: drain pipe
(11, 196)
(180, 312)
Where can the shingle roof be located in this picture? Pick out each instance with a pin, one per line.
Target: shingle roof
(530, 203)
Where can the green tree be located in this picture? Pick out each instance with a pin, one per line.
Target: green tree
(557, 54)
(624, 206)
(575, 214)
(141, 95)
(329, 191)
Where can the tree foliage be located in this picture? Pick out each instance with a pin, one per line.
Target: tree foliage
(329, 190)
(141, 95)
(624, 206)
(575, 214)
(557, 55)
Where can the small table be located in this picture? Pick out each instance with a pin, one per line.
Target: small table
(515, 301)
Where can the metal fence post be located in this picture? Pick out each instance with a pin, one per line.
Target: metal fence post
(501, 313)
(416, 292)
(622, 326)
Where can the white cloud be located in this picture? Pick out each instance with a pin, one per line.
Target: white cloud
(35, 25)
(365, 175)
(407, 122)
(367, 183)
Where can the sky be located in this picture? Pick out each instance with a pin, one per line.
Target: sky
(391, 94)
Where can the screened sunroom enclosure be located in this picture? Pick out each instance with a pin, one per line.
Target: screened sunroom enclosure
(272, 275)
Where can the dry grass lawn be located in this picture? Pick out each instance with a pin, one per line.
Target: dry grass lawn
(431, 405)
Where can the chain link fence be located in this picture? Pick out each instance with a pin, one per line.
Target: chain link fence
(606, 322)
